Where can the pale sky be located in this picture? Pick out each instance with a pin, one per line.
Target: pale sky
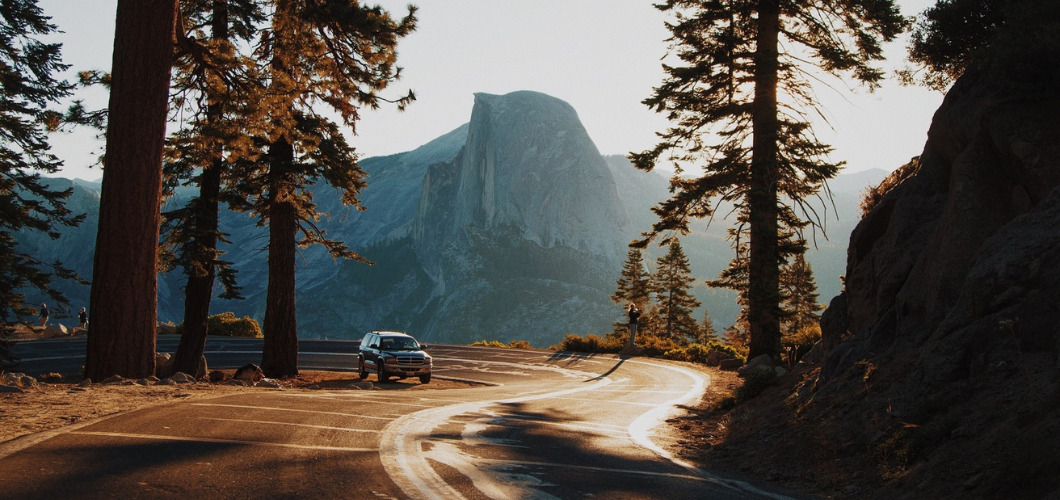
(601, 56)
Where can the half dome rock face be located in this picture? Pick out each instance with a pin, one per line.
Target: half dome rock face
(528, 168)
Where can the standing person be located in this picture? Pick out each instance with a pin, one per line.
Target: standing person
(82, 318)
(43, 315)
(634, 315)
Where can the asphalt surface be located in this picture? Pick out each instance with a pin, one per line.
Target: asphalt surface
(542, 425)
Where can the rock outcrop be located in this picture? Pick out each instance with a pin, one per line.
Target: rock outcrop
(945, 340)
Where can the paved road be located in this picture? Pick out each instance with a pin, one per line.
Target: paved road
(547, 426)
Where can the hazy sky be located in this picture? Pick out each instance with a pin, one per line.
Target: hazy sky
(601, 56)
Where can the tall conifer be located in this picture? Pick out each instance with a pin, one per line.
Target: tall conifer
(207, 80)
(124, 296)
(739, 101)
(336, 53)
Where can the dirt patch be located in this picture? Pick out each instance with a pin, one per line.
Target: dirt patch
(50, 405)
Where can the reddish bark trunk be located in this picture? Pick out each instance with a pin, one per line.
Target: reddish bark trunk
(763, 296)
(279, 357)
(124, 281)
(199, 290)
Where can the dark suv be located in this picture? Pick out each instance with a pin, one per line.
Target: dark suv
(393, 354)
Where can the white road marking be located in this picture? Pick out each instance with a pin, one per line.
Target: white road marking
(270, 408)
(193, 439)
(291, 424)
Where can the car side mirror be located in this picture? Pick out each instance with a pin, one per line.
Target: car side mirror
(423, 347)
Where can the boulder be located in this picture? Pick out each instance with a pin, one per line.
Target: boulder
(20, 380)
(730, 365)
(761, 363)
(249, 373)
(183, 378)
(55, 330)
(163, 363)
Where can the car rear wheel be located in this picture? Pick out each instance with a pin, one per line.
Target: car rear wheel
(383, 377)
(424, 379)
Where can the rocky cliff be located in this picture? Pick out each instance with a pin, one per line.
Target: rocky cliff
(939, 374)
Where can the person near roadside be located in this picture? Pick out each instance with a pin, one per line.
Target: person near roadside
(634, 316)
(43, 315)
(82, 318)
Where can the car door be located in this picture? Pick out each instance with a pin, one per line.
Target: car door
(370, 352)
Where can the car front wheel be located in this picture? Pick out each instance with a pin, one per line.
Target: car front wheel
(383, 377)
(361, 370)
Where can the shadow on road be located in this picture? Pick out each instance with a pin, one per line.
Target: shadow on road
(560, 454)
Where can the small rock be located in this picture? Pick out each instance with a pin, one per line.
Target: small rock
(268, 382)
(143, 381)
(113, 379)
(167, 381)
(236, 381)
(182, 378)
(86, 382)
(10, 388)
(27, 382)
(361, 385)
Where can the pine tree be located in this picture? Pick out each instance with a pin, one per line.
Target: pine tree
(206, 81)
(800, 306)
(673, 284)
(707, 332)
(734, 85)
(334, 52)
(124, 293)
(634, 286)
(27, 203)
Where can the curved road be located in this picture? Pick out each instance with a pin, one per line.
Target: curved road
(543, 425)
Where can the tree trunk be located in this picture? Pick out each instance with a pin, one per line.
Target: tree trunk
(199, 290)
(763, 296)
(124, 292)
(279, 357)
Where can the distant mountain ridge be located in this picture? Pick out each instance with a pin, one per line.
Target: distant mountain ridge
(512, 226)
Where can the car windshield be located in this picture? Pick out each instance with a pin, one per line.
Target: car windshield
(399, 344)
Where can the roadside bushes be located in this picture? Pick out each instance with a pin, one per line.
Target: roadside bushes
(710, 354)
(515, 344)
(227, 324)
(589, 343)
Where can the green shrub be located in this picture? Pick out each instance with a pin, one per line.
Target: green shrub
(227, 324)
(754, 384)
(589, 343)
(658, 346)
(488, 343)
(51, 377)
(515, 344)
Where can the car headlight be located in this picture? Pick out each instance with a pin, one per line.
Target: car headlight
(426, 360)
